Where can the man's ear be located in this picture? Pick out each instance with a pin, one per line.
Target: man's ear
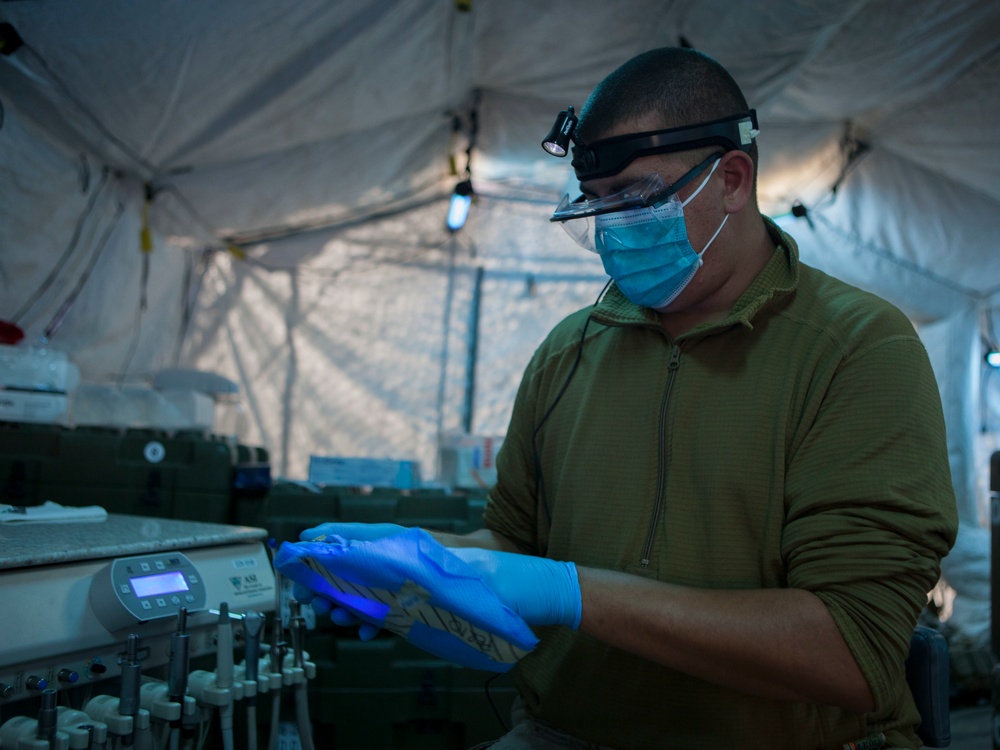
(738, 172)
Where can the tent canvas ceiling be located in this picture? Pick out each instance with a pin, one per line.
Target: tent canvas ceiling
(293, 161)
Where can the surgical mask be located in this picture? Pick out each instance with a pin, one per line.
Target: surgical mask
(647, 252)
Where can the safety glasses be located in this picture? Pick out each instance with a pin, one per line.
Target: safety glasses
(648, 192)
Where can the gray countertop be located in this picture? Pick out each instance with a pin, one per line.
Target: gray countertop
(30, 544)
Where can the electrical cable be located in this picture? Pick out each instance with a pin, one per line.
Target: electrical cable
(70, 301)
(540, 479)
(134, 344)
(74, 238)
(493, 705)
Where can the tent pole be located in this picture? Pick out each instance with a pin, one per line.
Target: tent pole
(473, 352)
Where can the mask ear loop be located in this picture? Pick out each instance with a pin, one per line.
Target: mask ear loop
(709, 243)
(692, 197)
(703, 183)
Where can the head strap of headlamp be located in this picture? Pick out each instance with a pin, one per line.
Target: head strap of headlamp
(611, 155)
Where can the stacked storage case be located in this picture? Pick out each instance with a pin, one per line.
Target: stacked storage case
(186, 475)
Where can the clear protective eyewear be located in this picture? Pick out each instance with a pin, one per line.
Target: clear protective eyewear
(650, 192)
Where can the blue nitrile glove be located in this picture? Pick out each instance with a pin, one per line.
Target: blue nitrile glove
(365, 532)
(411, 585)
(541, 591)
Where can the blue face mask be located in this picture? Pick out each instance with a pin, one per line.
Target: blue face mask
(647, 251)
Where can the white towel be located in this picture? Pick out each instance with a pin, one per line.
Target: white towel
(50, 512)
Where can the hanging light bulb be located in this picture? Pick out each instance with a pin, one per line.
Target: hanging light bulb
(458, 210)
(993, 358)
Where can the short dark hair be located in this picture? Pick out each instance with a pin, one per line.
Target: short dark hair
(681, 86)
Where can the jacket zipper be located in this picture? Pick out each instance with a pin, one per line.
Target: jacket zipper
(675, 357)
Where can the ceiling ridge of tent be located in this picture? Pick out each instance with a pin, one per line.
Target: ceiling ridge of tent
(356, 217)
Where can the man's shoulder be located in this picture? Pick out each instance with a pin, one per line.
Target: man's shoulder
(844, 309)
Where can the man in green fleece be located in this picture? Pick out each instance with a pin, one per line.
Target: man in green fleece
(724, 493)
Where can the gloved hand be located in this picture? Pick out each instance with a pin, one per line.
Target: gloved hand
(411, 585)
(541, 591)
(365, 532)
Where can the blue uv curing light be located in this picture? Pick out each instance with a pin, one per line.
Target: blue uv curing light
(132, 590)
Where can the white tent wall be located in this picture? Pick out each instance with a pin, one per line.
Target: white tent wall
(363, 344)
(71, 262)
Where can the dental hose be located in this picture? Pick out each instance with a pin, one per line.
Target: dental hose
(224, 674)
(252, 626)
(275, 659)
(298, 626)
(177, 678)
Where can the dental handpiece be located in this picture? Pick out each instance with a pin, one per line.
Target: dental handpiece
(180, 645)
(48, 716)
(224, 655)
(128, 701)
(253, 624)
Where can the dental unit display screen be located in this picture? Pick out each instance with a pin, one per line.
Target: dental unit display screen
(162, 583)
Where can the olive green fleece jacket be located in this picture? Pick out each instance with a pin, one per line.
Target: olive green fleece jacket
(798, 443)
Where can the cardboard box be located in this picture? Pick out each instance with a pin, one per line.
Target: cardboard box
(469, 461)
(29, 406)
(364, 472)
(29, 369)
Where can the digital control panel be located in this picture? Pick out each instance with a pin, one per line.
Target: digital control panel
(132, 590)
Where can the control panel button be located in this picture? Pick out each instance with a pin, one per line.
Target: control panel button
(146, 604)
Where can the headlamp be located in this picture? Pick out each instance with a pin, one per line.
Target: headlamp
(563, 131)
(611, 155)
